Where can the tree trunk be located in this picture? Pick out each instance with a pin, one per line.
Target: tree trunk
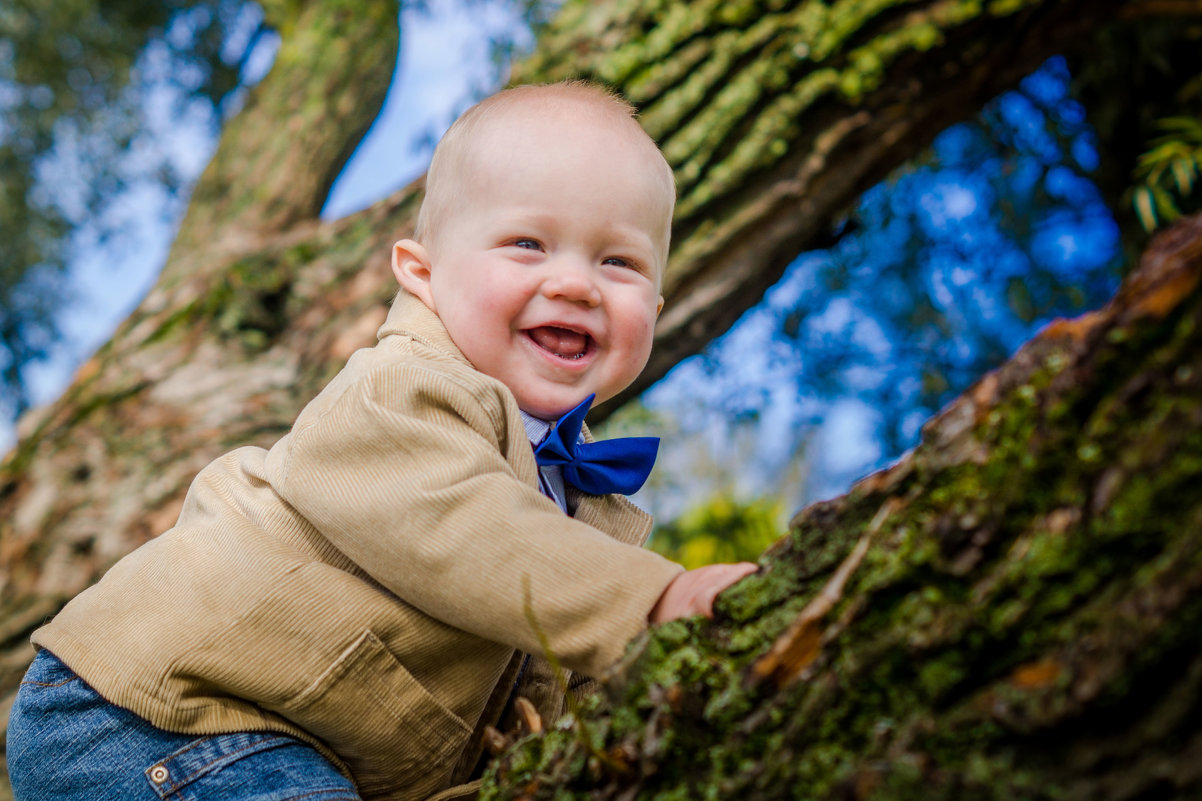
(774, 115)
(1013, 611)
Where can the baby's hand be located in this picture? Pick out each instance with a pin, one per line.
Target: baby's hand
(693, 592)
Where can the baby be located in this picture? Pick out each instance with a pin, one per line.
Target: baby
(341, 616)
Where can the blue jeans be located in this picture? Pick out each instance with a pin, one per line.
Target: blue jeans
(66, 743)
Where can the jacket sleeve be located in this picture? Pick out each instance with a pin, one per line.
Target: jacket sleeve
(405, 473)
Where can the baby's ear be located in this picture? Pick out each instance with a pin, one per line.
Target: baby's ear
(411, 266)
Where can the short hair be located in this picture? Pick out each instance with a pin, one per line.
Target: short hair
(442, 192)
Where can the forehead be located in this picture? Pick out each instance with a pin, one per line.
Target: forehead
(560, 130)
(564, 147)
(532, 141)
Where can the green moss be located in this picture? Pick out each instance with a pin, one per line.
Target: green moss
(1057, 524)
(655, 76)
(687, 67)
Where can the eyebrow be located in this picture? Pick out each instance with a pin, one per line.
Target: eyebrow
(518, 219)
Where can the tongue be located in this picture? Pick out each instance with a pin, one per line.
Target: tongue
(559, 341)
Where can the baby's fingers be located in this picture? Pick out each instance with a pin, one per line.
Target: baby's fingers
(719, 578)
(693, 592)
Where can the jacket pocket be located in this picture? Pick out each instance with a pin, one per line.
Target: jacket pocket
(393, 735)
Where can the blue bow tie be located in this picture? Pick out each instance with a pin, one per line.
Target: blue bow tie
(615, 465)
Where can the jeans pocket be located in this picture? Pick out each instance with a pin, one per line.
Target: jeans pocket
(47, 671)
(66, 742)
(50, 729)
(249, 766)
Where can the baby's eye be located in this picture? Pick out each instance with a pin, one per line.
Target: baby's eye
(620, 261)
(528, 244)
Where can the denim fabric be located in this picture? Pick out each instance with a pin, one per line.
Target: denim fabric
(66, 743)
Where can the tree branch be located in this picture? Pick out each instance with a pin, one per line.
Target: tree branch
(278, 157)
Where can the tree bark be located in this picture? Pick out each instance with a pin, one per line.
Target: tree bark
(1013, 611)
(774, 116)
(777, 116)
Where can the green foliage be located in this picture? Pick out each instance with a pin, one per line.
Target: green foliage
(720, 529)
(1150, 75)
(1166, 176)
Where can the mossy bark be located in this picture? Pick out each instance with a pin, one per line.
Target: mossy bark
(775, 115)
(1013, 611)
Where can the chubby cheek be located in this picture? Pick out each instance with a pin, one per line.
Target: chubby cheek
(493, 298)
(638, 336)
(478, 306)
(645, 343)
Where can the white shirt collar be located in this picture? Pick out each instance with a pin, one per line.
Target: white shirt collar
(536, 428)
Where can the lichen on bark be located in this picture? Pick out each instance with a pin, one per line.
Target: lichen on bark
(1010, 612)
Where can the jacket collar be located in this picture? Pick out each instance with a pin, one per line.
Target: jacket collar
(410, 317)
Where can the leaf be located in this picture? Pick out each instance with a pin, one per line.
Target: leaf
(1184, 173)
(1145, 209)
(1164, 205)
(1181, 127)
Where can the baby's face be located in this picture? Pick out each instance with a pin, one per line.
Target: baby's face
(547, 273)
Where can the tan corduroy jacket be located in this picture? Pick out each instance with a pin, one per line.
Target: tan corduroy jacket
(362, 584)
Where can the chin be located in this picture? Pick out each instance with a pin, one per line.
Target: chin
(551, 411)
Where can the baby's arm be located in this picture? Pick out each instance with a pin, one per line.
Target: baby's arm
(405, 473)
(693, 592)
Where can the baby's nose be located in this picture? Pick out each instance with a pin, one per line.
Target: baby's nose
(573, 280)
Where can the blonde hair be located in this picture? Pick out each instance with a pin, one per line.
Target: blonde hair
(443, 188)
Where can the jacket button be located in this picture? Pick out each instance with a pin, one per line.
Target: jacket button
(159, 774)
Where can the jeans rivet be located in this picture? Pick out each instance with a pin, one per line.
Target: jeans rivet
(158, 774)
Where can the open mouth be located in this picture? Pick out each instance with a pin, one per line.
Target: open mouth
(562, 342)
